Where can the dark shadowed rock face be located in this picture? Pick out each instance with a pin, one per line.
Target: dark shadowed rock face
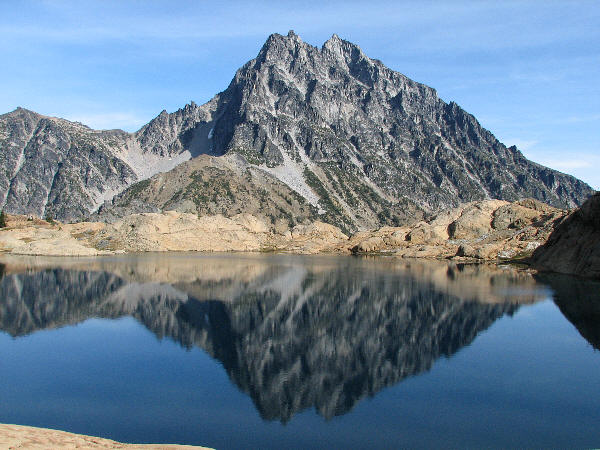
(291, 337)
(574, 245)
(363, 144)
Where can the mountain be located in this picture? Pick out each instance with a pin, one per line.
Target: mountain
(65, 169)
(359, 144)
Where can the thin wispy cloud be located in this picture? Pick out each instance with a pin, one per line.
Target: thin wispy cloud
(104, 121)
(568, 164)
(583, 165)
(579, 119)
(522, 144)
(466, 24)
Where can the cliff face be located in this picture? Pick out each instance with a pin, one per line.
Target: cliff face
(336, 105)
(574, 245)
(53, 167)
(363, 145)
(293, 335)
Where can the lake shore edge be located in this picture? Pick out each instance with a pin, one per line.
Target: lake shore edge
(27, 437)
(492, 231)
(487, 230)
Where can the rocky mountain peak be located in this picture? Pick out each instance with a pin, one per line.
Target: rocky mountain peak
(346, 51)
(21, 110)
(333, 44)
(278, 46)
(362, 144)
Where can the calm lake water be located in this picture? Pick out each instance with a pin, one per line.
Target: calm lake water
(278, 351)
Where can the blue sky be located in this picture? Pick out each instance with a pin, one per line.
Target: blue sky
(528, 70)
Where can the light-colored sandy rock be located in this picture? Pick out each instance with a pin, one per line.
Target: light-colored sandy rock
(39, 240)
(173, 231)
(61, 246)
(419, 234)
(439, 251)
(379, 240)
(18, 436)
(486, 230)
(317, 229)
(371, 244)
(475, 220)
(251, 223)
(169, 231)
(316, 237)
(512, 216)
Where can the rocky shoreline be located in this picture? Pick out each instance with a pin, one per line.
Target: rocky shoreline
(490, 230)
(19, 436)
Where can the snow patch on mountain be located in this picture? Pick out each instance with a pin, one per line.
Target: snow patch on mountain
(291, 173)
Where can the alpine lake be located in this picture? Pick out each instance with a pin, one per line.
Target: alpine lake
(290, 351)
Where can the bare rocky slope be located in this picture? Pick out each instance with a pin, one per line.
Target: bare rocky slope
(574, 246)
(54, 167)
(359, 144)
(209, 185)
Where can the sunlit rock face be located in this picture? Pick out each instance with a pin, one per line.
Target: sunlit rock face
(363, 145)
(293, 333)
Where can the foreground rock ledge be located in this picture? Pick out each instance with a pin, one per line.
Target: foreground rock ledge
(487, 230)
(18, 436)
(574, 246)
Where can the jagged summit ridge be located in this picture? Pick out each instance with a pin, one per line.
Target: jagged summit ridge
(363, 144)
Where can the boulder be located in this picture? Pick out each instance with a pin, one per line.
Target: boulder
(475, 220)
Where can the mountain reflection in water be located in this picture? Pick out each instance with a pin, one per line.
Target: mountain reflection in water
(292, 332)
(579, 301)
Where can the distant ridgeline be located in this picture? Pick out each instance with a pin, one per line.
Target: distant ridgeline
(307, 133)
